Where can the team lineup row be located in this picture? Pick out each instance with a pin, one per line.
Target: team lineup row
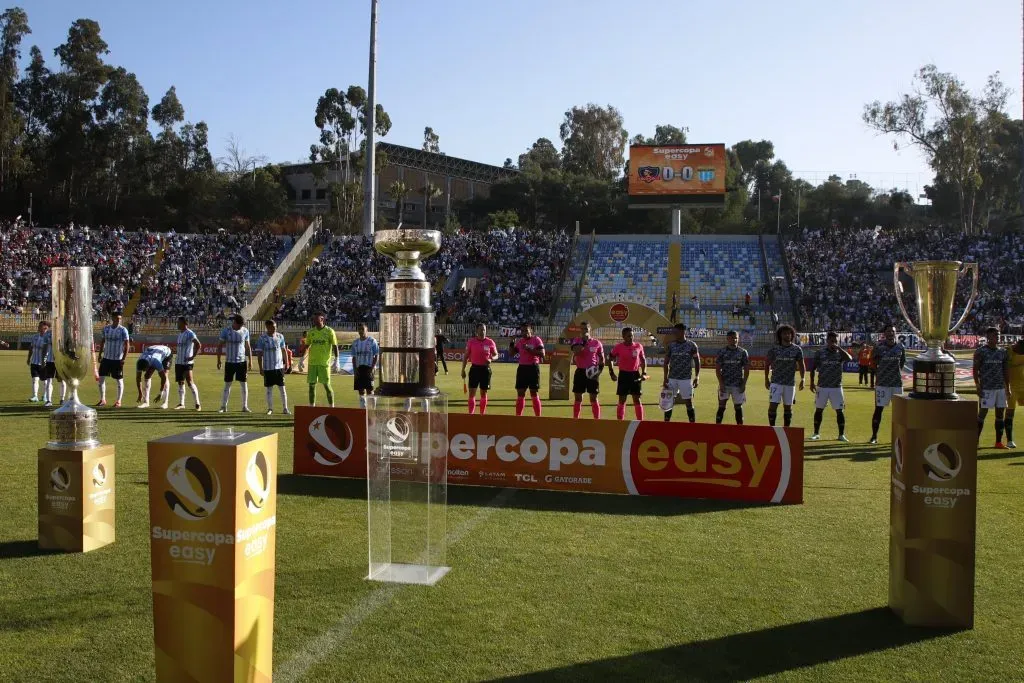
(998, 372)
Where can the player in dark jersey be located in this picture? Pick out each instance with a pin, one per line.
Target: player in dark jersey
(828, 364)
(992, 380)
(732, 367)
(888, 356)
(780, 368)
(682, 369)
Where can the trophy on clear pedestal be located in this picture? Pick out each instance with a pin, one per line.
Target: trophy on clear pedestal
(76, 473)
(407, 424)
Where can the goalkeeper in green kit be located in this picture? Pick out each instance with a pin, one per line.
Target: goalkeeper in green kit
(323, 351)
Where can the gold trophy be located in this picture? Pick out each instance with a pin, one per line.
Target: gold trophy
(76, 473)
(935, 281)
(933, 472)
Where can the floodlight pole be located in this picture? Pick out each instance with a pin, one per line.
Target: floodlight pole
(369, 185)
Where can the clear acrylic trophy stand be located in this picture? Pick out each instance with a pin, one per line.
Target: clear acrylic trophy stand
(407, 488)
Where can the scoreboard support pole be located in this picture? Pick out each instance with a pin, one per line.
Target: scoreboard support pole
(677, 220)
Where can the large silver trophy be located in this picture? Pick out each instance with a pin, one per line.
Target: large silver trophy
(407, 424)
(935, 282)
(73, 425)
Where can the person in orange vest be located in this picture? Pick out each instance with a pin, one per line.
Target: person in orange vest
(864, 362)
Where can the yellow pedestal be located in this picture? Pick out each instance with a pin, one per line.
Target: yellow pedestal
(76, 498)
(932, 512)
(213, 513)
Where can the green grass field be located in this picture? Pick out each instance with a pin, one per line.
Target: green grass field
(544, 586)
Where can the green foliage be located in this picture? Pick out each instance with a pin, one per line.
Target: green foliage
(76, 136)
(959, 133)
(431, 141)
(503, 219)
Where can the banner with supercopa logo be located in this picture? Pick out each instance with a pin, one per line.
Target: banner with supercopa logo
(750, 463)
(213, 515)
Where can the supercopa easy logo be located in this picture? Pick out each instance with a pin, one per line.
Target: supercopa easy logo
(60, 480)
(558, 378)
(398, 429)
(332, 440)
(897, 455)
(99, 475)
(195, 488)
(257, 482)
(941, 462)
(648, 174)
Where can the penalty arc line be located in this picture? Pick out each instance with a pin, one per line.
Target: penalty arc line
(334, 637)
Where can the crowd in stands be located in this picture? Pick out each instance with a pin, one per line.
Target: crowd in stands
(119, 259)
(843, 280)
(203, 277)
(519, 267)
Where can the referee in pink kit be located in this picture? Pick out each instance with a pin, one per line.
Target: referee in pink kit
(480, 351)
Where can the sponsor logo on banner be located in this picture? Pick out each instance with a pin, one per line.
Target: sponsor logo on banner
(619, 312)
(195, 488)
(642, 458)
(331, 440)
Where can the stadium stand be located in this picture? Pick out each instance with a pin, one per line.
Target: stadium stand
(638, 266)
(843, 280)
(205, 276)
(347, 281)
(119, 258)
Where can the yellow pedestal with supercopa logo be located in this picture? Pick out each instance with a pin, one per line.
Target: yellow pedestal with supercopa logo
(933, 503)
(213, 514)
(76, 498)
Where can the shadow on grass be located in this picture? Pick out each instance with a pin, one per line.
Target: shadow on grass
(524, 499)
(745, 656)
(29, 548)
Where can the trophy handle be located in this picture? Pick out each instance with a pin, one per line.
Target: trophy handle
(896, 268)
(973, 267)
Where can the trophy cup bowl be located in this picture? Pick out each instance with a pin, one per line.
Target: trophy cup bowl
(407, 247)
(935, 282)
(72, 425)
(407, 352)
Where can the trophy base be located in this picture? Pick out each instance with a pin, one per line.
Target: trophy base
(73, 427)
(934, 380)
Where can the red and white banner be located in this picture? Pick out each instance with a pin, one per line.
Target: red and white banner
(751, 463)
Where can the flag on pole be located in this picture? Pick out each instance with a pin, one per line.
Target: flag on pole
(777, 197)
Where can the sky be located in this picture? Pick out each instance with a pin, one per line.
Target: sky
(491, 77)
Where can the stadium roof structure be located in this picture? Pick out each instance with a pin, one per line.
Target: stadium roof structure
(438, 164)
(442, 164)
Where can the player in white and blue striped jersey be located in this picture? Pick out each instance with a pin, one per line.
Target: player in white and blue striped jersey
(274, 358)
(188, 348)
(153, 359)
(365, 352)
(235, 340)
(50, 374)
(112, 357)
(36, 361)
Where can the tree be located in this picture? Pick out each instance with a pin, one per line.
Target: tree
(431, 141)
(13, 28)
(398, 191)
(503, 220)
(942, 119)
(753, 158)
(430, 192)
(541, 157)
(593, 141)
(663, 135)
(236, 162)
